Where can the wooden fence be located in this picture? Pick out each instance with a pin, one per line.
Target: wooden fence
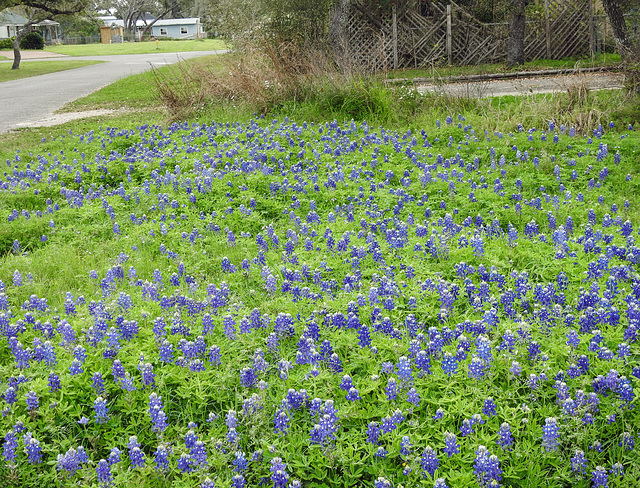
(447, 34)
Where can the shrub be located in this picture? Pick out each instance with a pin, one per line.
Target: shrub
(33, 40)
(6, 43)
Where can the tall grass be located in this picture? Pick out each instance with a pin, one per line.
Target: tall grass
(313, 86)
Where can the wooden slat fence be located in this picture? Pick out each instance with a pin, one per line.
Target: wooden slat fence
(412, 37)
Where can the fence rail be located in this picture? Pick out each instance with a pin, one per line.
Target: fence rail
(411, 37)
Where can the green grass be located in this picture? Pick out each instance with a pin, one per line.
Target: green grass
(138, 91)
(145, 47)
(606, 59)
(37, 68)
(138, 150)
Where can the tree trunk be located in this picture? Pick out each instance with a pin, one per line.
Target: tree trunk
(338, 33)
(515, 51)
(628, 48)
(17, 56)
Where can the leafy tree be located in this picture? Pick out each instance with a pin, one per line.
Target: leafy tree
(627, 40)
(37, 11)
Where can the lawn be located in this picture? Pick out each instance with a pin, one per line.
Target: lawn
(36, 68)
(243, 300)
(145, 47)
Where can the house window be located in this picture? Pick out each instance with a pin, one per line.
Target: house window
(184, 30)
(163, 31)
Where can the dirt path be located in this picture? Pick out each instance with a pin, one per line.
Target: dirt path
(525, 86)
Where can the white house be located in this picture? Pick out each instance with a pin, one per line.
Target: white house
(178, 28)
(11, 23)
(167, 28)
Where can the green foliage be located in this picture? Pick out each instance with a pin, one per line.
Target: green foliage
(33, 40)
(138, 151)
(6, 43)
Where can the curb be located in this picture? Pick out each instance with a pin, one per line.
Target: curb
(501, 76)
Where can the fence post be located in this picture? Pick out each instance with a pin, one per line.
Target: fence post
(449, 54)
(547, 28)
(592, 40)
(394, 30)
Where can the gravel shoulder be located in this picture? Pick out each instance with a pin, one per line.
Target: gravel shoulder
(525, 86)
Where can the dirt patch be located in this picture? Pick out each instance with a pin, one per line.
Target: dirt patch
(33, 54)
(61, 118)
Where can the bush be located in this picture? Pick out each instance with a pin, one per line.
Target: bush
(33, 40)
(6, 44)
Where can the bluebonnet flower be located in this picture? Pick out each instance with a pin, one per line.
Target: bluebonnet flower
(185, 463)
(429, 461)
(114, 456)
(476, 368)
(413, 397)
(404, 371)
(136, 456)
(405, 446)
(279, 476)
(382, 482)
(627, 441)
(617, 469)
(373, 433)
(451, 444)
(199, 454)
(550, 434)
(97, 383)
(161, 459)
(101, 410)
(10, 446)
(103, 471)
(466, 428)
(353, 395)
(489, 408)
(505, 439)
(486, 467)
(439, 414)
(238, 481)
(579, 462)
(33, 449)
(440, 483)
(281, 422)
(381, 452)
(346, 384)
(449, 364)
(599, 477)
(32, 401)
(391, 389)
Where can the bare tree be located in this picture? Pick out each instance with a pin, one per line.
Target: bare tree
(37, 11)
(627, 44)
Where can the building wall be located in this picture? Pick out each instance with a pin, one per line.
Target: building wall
(7, 31)
(176, 31)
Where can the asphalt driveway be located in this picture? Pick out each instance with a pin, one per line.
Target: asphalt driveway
(27, 101)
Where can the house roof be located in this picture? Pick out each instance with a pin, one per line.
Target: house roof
(188, 21)
(11, 18)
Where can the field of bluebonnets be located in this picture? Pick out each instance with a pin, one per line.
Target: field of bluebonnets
(280, 303)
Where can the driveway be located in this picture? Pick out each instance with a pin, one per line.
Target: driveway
(28, 101)
(525, 86)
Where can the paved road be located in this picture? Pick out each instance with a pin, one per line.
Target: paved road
(25, 102)
(524, 86)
